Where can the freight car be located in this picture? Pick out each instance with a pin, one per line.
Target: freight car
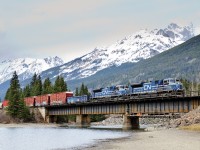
(77, 99)
(60, 98)
(42, 100)
(30, 101)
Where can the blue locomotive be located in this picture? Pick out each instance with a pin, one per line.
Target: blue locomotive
(110, 91)
(165, 85)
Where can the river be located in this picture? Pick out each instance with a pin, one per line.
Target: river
(53, 138)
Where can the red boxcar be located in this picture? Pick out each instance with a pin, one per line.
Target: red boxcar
(45, 99)
(37, 100)
(30, 101)
(5, 104)
(60, 98)
(42, 100)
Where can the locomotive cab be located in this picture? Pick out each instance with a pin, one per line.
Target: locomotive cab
(169, 81)
(97, 93)
(172, 84)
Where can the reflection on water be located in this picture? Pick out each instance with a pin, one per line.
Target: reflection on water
(52, 138)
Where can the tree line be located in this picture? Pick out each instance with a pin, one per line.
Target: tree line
(37, 87)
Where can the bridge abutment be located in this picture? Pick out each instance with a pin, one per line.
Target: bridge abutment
(130, 122)
(82, 121)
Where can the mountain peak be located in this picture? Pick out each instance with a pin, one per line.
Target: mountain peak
(173, 26)
(26, 67)
(55, 60)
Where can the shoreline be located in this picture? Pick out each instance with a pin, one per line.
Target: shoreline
(165, 139)
(28, 125)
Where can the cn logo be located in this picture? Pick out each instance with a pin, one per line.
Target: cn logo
(147, 87)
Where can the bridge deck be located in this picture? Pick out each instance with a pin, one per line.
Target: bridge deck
(129, 104)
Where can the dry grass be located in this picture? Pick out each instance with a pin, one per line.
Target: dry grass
(194, 127)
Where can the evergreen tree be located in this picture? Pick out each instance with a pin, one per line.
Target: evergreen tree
(23, 112)
(33, 85)
(14, 96)
(47, 87)
(76, 92)
(16, 105)
(60, 85)
(27, 91)
(63, 84)
(82, 89)
(7, 94)
(57, 85)
(38, 86)
(34, 79)
(86, 92)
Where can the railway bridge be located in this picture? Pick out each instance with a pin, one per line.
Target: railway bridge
(131, 107)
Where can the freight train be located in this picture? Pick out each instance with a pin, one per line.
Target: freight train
(158, 87)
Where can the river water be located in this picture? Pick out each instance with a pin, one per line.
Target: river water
(53, 138)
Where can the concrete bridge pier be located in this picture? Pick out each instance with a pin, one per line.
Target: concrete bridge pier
(130, 122)
(82, 121)
(51, 119)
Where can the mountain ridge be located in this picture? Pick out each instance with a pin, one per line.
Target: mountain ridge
(138, 46)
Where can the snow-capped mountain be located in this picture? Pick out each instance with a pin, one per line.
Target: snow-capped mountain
(26, 67)
(197, 31)
(141, 45)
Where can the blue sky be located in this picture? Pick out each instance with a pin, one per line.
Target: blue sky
(71, 28)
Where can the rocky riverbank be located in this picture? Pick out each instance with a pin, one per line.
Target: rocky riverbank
(110, 121)
(191, 118)
(6, 119)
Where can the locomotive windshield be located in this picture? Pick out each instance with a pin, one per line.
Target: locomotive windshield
(165, 82)
(170, 81)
